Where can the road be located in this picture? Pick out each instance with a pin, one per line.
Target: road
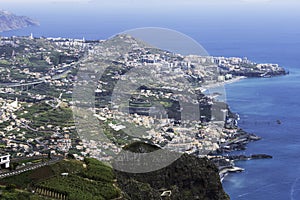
(31, 167)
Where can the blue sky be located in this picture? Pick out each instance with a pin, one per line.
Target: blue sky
(242, 7)
(153, 3)
(213, 23)
(243, 18)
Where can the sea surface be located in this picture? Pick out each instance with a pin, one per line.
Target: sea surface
(259, 102)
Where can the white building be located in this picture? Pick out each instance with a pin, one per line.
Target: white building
(5, 161)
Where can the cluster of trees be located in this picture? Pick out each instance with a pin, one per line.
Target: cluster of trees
(9, 193)
(88, 180)
(93, 183)
(97, 171)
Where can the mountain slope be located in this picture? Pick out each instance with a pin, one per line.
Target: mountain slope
(188, 178)
(9, 21)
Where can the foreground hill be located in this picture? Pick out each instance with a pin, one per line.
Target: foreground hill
(187, 178)
(9, 21)
(68, 179)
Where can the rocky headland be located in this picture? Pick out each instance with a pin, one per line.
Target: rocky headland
(189, 177)
(10, 21)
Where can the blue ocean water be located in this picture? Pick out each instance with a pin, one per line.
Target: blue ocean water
(259, 102)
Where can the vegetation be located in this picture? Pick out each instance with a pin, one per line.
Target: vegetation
(187, 178)
(76, 180)
(98, 171)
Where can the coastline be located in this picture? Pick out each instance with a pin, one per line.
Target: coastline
(278, 139)
(226, 163)
(238, 142)
(220, 84)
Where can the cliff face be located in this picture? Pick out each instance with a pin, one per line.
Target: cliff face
(187, 178)
(9, 21)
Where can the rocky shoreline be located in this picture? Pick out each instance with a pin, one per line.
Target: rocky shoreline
(226, 164)
(237, 142)
(223, 157)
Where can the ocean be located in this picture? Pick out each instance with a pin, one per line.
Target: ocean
(259, 102)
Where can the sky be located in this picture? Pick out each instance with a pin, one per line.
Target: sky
(169, 7)
(153, 3)
(143, 1)
(232, 11)
(231, 18)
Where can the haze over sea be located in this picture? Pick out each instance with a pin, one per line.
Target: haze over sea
(263, 33)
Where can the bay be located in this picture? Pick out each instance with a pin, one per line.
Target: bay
(259, 102)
